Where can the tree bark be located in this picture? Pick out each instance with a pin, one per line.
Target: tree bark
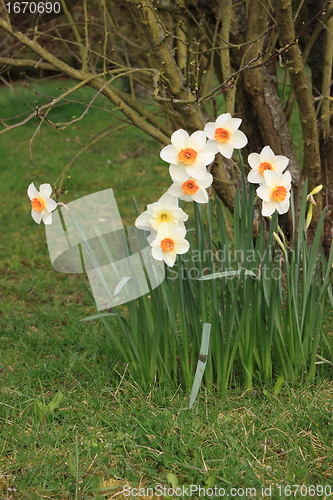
(294, 65)
(326, 133)
(261, 88)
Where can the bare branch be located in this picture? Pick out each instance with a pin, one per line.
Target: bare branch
(9, 61)
(101, 135)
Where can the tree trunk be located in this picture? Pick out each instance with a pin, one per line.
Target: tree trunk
(294, 65)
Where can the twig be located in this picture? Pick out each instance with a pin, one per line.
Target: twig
(225, 85)
(102, 134)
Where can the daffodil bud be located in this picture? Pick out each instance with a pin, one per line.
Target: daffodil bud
(316, 190)
(309, 216)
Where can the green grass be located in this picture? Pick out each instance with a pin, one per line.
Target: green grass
(107, 428)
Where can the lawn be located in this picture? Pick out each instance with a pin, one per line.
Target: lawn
(74, 423)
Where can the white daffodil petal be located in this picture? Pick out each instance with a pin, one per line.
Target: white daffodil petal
(205, 183)
(264, 192)
(209, 130)
(45, 190)
(179, 233)
(47, 218)
(210, 147)
(183, 246)
(255, 177)
(167, 225)
(196, 171)
(287, 180)
(220, 120)
(157, 253)
(164, 232)
(197, 141)
(268, 208)
(32, 192)
(169, 154)
(232, 124)
(239, 140)
(37, 216)
(267, 155)
(50, 204)
(181, 173)
(280, 163)
(167, 200)
(213, 145)
(271, 177)
(283, 206)
(152, 237)
(176, 189)
(179, 212)
(254, 160)
(225, 149)
(143, 221)
(207, 156)
(179, 139)
(177, 172)
(170, 258)
(185, 197)
(200, 196)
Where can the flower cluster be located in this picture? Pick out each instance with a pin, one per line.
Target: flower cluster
(274, 186)
(188, 156)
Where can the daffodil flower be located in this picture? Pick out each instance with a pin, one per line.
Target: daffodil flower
(188, 153)
(190, 189)
(266, 160)
(41, 203)
(224, 136)
(168, 243)
(164, 212)
(275, 192)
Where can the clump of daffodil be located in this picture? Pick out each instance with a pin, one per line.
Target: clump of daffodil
(189, 155)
